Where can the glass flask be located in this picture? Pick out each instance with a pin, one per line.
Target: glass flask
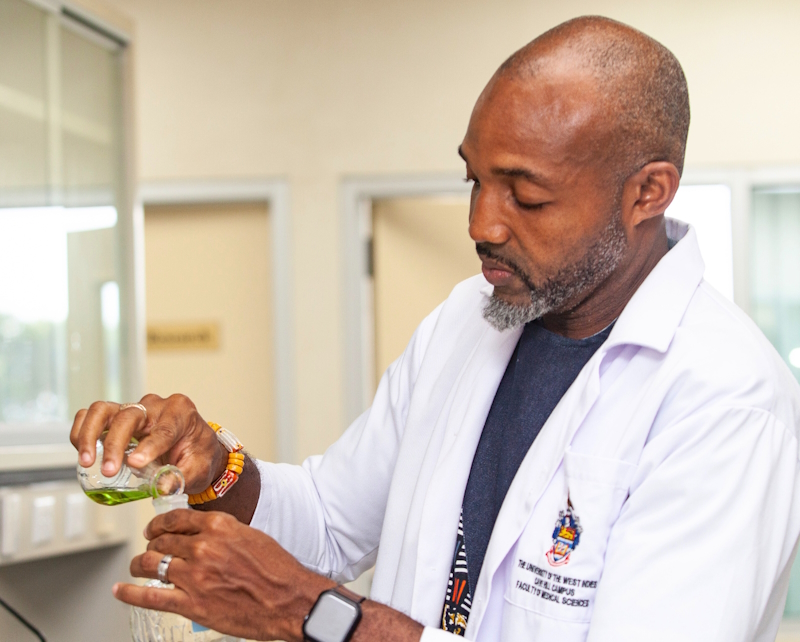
(160, 626)
(129, 483)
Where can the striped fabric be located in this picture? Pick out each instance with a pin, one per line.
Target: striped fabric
(457, 601)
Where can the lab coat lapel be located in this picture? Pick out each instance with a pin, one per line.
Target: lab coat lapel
(534, 474)
(442, 500)
(424, 433)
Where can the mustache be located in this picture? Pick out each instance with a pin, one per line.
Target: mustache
(485, 250)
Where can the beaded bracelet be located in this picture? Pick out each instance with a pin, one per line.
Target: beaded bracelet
(232, 470)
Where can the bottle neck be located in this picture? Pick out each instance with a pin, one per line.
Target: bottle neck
(166, 481)
(167, 503)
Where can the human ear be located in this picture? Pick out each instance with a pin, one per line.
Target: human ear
(651, 190)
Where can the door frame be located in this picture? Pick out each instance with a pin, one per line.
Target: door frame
(358, 193)
(356, 196)
(275, 193)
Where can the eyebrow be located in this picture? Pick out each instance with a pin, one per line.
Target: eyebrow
(512, 172)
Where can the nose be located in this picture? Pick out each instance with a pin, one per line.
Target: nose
(486, 221)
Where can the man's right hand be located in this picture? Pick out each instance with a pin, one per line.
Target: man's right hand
(172, 433)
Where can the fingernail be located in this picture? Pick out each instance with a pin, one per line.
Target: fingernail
(144, 532)
(108, 468)
(115, 589)
(135, 458)
(86, 459)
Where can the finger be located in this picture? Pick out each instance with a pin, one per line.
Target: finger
(163, 436)
(77, 423)
(166, 430)
(120, 430)
(181, 521)
(174, 600)
(95, 421)
(177, 545)
(146, 565)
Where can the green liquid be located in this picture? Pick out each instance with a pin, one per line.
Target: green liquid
(114, 497)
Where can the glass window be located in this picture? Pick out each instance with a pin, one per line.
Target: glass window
(707, 208)
(775, 275)
(60, 186)
(775, 293)
(23, 88)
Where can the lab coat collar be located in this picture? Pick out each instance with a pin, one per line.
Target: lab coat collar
(652, 315)
(654, 312)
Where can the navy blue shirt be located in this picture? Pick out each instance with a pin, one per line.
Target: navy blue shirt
(543, 367)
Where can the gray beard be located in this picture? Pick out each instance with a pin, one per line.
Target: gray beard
(594, 267)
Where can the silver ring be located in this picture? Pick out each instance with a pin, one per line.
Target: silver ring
(125, 406)
(163, 568)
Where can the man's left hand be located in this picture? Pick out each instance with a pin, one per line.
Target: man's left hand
(227, 576)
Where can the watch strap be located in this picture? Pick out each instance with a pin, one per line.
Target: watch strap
(350, 595)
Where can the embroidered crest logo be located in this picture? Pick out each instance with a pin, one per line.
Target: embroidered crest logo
(566, 536)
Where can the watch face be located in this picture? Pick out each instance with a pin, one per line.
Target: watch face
(331, 619)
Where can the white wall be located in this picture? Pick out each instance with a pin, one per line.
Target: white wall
(316, 90)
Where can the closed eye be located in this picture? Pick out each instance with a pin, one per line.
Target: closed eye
(475, 182)
(529, 206)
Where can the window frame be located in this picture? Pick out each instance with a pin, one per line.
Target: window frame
(102, 25)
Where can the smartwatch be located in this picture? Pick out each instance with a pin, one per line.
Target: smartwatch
(334, 616)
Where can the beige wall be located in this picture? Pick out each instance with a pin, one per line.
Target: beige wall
(193, 254)
(421, 250)
(318, 90)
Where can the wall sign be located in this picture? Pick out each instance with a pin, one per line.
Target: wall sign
(182, 336)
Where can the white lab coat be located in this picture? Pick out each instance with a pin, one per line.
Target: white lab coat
(676, 446)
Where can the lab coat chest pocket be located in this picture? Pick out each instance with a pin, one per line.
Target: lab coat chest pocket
(560, 555)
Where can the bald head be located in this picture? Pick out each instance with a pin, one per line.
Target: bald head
(575, 149)
(642, 102)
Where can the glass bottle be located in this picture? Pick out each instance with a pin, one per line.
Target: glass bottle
(129, 483)
(160, 626)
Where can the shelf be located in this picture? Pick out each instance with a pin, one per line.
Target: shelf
(37, 457)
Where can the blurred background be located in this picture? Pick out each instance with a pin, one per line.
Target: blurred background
(255, 202)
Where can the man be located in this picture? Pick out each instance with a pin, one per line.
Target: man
(586, 442)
